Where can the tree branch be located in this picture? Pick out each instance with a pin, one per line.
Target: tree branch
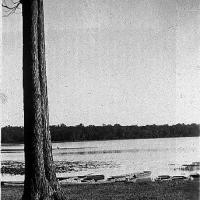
(10, 9)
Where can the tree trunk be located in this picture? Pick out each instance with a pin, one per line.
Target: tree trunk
(40, 177)
(47, 146)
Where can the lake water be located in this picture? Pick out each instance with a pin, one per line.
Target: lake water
(115, 157)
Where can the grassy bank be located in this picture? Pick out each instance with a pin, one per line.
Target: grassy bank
(182, 190)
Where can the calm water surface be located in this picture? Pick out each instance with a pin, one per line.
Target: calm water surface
(161, 156)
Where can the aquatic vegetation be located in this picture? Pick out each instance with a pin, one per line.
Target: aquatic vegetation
(189, 167)
(18, 168)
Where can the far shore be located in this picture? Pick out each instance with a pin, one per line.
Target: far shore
(63, 133)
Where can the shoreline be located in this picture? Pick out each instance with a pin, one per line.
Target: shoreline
(63, 141)
(15, 168)
(126, 179)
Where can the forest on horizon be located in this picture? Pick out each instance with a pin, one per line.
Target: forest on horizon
(59, 133)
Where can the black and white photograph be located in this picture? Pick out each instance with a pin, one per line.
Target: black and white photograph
(100, 100)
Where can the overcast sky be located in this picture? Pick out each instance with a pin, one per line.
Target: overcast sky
(111, 61)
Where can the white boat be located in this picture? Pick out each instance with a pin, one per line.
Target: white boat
(163, 178)
(174, 178)
(133, 177)
(195, 176)
(117, 178)
(143, 174)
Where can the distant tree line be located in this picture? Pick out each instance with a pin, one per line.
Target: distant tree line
(10, 134)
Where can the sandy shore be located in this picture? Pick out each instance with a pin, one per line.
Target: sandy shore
(167, 190)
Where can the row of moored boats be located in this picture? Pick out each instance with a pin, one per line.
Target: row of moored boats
(133, 177)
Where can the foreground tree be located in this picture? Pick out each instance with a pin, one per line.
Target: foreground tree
(40, 177)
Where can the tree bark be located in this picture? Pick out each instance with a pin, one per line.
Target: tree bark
(35, 184)
(40, 177)
(47, 145)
